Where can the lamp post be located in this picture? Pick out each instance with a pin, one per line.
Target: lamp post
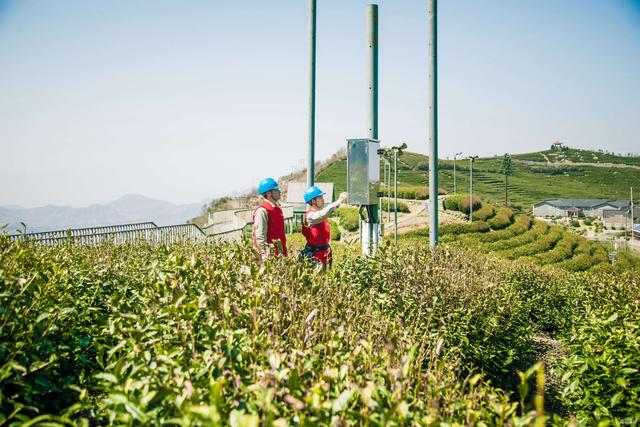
(471, 159)
(387, 184)
(455, 156)
(397, 151)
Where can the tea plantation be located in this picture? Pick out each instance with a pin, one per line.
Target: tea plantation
(207, 335)
(572, 173)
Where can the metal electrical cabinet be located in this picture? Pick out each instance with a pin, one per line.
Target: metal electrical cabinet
(363, 171)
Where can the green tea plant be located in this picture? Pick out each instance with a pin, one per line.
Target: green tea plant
(349, 218)
(207, 334)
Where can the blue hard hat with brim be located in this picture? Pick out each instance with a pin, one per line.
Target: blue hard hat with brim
(267, 184)
(311, 193)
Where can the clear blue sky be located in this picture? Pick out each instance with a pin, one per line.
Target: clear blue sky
(185, 100)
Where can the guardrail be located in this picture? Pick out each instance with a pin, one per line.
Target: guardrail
(122, 233)
(148, 231)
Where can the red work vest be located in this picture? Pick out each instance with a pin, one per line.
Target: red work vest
(275, 226)
(319, 235)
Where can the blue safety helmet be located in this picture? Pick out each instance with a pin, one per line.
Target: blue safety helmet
(311, 193)
(267, 184)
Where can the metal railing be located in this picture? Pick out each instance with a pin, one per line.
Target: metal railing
(122, 233)
(145, 231)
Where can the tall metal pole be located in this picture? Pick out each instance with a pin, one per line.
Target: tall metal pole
(372, 31)
(471, 191)
(455, 157)
(312, 93)
(432, 87)
(632, 218)
(389, 192)
(454, 175)
(372, 226)
(395, 195)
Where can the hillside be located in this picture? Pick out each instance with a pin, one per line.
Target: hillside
(571, 173)
(127, 209)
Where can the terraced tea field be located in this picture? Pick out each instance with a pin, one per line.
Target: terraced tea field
(206, 334)
(535, 242)
(533, 180)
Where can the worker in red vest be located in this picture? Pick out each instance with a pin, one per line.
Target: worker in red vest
(268, 221)
(315, 226)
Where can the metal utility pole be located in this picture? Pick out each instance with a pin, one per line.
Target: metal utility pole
(432, 87)
(632, 216)
(312, 93)
(396, 152)
(471, 159)
(372, 57)
(632, 213)
(455, 190)
(395, 195)
(372, 30)
(388, 191)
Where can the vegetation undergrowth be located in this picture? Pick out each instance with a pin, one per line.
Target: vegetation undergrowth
(205, 334)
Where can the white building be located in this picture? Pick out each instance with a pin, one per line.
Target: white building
(611, 212)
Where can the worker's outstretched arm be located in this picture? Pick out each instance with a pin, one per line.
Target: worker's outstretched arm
(316, 217)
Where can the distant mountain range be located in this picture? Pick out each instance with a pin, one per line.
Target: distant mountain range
(127, 209)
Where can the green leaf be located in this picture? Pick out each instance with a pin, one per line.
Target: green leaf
(616, 398)
(240, 419)
(107, 377)
(341, 402)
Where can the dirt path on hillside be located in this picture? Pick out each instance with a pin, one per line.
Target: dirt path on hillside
(418, 218)
(570, 163)
(546, 158)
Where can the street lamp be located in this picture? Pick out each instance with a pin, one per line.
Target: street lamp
(471, 159)
(387, 184)
(454, 172)
(397, 150)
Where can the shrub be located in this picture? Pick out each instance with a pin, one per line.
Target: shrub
(539, 229)
(402, 207)
(485, 212)
(521, 225)
(349, 218)
(562, 251)
(417, 192)
(335, 231)
(575, 223)
(452, 203)
(542, 244)
(460, 202)
(464, 227)
(502, 219)
(603, 367)
(423, 166)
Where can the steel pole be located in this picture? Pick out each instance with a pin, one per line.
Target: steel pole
(395, 195)
(389, 193)
(432, 87)
(372, 31)
(372, 39)
(312, 93)
(471, 191)
(454, 175)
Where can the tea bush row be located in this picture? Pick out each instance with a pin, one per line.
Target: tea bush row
(538, 229)
(460, 202)
(502, 219)
(485, 212)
